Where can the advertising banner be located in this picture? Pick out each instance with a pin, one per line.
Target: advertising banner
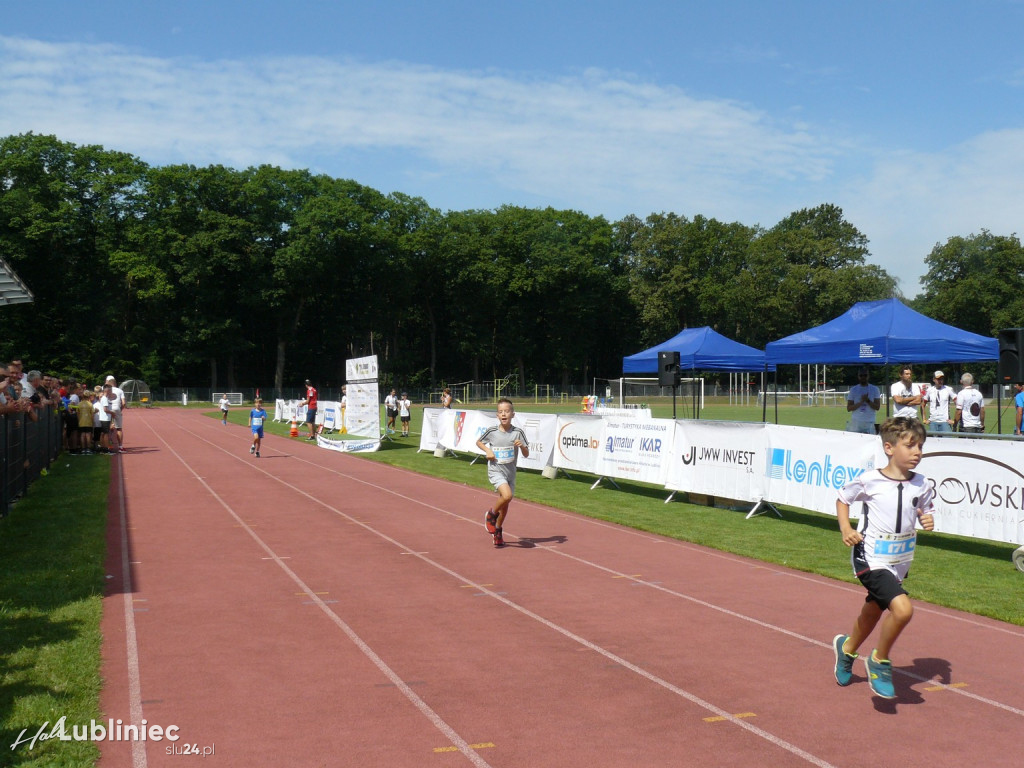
(431, 425)
(361, 369)
(979, 486)
(804, 467)
(577, 442)
(635, 449)
(718, 458)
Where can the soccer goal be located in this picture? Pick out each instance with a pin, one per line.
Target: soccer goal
(235, 398)
(631, 392)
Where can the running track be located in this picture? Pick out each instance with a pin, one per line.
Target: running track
(314, 609)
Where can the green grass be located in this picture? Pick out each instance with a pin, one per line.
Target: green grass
(52, 547)
(971, 575)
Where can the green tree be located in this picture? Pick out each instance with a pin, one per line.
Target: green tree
(975, 283)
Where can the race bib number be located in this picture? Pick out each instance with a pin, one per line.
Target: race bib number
(257, 421)
(504, 455)
(895, 548)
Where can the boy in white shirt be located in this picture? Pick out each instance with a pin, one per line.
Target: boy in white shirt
(894, 499)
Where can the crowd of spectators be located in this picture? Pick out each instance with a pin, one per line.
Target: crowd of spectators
(91, 419)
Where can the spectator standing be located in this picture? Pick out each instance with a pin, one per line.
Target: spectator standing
(404, 404)
(862, 403)
(970, 406)
(391, 409)
(84, 414)
(311, 405)
(446, 398)
(107, 419)
(939, 397)
(117, 403)
(906, 395)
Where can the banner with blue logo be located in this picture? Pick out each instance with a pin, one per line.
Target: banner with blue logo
(804, 467)
(635, 449)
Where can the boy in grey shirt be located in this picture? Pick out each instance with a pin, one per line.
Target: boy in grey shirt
(502, 445)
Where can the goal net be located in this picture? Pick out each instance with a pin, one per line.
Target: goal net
(235, 398)
(635, 392)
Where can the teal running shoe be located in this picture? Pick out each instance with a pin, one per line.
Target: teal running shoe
(880, 677)
(844, 660)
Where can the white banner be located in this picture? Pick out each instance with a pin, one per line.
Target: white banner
(719, 458)
(539, 429)
(804, 467)
(578, 442)
(432, 418)
(348, 446)
(636, 449)
(362, 416)
(361, 369)
(979, 486)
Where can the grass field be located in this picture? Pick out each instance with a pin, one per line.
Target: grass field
(51, 586)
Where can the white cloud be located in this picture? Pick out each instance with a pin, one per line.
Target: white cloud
(587, 137)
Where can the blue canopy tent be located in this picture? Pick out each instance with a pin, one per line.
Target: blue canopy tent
(699, 349)
(878, 333)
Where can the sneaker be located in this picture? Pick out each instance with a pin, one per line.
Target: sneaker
(844, 660)
(880, 676)
(498, 541)
(252, 449)
(490, 519)
(257, 454)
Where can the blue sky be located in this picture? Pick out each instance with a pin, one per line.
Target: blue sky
(908, 115)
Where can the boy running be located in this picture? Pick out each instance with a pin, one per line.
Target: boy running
(224, 405)
(894, 499)
(256, 418)
(502, 445)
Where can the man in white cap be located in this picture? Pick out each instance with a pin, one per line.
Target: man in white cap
(117, 409)
(970, 406)
(939, 397)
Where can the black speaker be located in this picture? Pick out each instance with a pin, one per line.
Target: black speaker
(668, 368)
(1011, 355)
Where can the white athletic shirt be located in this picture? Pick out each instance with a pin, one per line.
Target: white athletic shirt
(899, 389)
(888, 515)
(970, 402)
(938, 403)
(863, 412)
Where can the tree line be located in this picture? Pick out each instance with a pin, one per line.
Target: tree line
(185, 275)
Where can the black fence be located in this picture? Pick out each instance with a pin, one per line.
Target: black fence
(27, 448)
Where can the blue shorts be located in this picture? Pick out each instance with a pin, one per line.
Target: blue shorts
(258, 432)
(310, 415)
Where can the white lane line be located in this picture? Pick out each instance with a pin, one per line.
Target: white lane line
(131, 639)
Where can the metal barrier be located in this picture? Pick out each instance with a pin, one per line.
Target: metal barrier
(27, 448)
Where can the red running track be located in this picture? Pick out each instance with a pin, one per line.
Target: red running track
(311, 608)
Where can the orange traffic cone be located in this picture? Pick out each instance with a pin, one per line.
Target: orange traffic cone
(295, 428)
